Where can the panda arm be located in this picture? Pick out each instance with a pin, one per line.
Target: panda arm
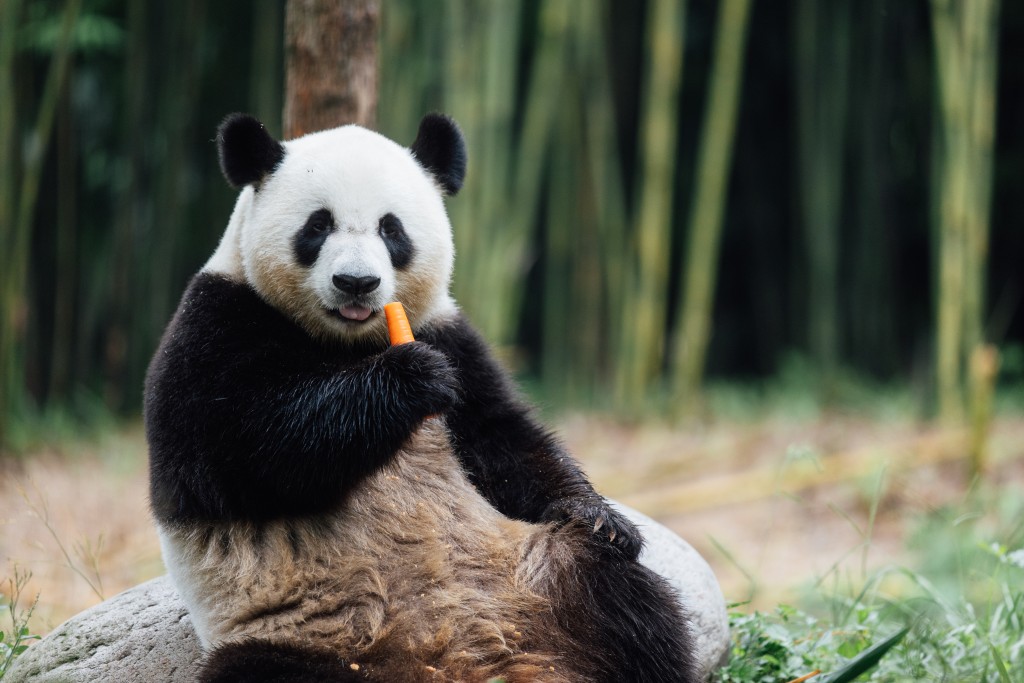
(248, 419)
(517, 464)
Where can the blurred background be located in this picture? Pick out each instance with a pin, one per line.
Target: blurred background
(749, 256)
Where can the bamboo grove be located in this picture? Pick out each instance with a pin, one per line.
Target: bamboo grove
(659, 192)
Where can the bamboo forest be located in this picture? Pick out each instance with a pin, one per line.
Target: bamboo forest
(661, 194)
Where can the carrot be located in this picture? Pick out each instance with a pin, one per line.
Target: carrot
(398, 324)
(807, 677)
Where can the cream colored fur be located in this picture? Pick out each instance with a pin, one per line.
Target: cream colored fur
(417, 572)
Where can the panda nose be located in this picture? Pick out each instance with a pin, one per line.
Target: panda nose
(356, 285)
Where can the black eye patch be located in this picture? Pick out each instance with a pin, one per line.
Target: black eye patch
(308, 241)
(396, 240)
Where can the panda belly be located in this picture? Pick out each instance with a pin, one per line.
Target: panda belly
(416, 577)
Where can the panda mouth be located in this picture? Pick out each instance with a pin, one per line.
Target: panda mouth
(352, 313)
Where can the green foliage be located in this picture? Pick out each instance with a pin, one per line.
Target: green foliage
(963, 608)
(788, 644)
(796, 393)
(83, 419)
(957, 645)
(93, 31)
(15, 641)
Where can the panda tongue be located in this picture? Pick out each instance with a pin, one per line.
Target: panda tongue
(359, 313)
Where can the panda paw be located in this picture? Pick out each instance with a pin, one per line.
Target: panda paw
(428, 382)
(606, 525)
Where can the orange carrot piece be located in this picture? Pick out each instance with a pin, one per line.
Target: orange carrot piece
(398, 324)
(807, 677)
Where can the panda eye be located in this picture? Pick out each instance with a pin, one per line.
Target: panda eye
(389, 226)
(319, 222)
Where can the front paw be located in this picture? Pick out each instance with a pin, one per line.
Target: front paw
(424, 377)
(607, 525)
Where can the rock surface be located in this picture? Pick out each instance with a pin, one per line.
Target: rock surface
(144, 635)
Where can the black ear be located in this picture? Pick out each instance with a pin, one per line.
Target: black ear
(247, 152)
(441, 150)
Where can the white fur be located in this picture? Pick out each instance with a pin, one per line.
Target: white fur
(359, 176)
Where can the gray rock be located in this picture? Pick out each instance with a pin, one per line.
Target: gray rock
(144, 635)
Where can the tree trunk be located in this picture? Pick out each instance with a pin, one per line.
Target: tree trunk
(330, 64)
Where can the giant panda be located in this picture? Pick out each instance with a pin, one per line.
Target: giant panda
(332, 508)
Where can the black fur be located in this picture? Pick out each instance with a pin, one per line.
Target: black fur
(311, 237)
(397, 241)
(260, 662)
(441, 150)
(628, 619)
(246, 150)
(248, 418)
(517, 464)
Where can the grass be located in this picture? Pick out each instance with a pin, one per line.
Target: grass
(14, 632)
(83, 418)
(961, 610)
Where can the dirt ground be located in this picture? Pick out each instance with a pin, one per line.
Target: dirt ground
(772, 505)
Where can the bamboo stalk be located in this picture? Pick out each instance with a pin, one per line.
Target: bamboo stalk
(559, 302)
(605, 178)
(714, 161)
(265, 85)
(645, 337)
(123, 269)
(10, 383)
(22, 210)
(65, 245)
(965, 38)
(822, 60)
(984, 371)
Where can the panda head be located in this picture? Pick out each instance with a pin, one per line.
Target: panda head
(331, 226)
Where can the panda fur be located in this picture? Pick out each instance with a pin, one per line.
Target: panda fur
(332, 508)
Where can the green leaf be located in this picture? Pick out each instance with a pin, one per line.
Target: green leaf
(867, 660)
(1004, 675)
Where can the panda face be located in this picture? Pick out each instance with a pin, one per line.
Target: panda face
(343, 222)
